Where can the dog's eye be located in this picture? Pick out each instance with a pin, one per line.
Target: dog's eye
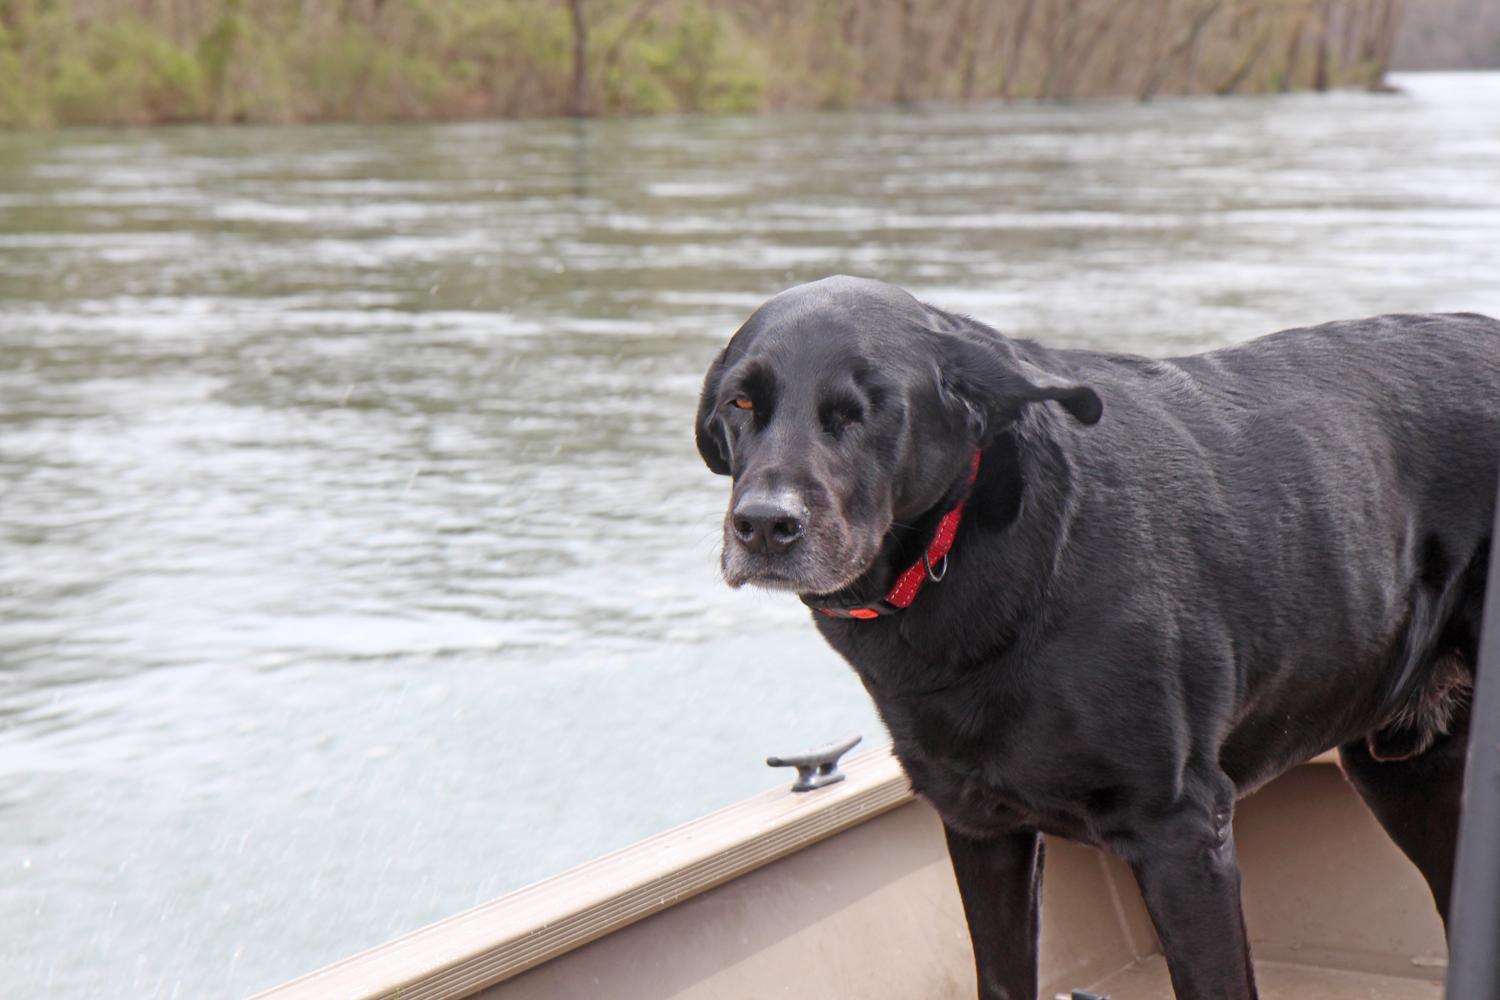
(743, 402)
(836, 419)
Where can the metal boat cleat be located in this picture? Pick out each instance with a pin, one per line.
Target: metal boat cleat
(816, 768)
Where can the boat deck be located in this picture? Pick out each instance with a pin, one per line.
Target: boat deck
(1147, 980)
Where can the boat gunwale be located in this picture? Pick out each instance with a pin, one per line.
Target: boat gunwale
(500, 939)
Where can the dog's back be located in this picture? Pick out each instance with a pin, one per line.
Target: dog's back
(1330, 492)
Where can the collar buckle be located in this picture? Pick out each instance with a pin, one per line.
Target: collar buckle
(910, 582)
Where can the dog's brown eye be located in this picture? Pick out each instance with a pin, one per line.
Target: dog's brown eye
(839, 416)
(743, 402)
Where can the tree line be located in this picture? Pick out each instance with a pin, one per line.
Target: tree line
(148, 61)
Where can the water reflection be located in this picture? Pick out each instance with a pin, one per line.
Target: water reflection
(355, 559)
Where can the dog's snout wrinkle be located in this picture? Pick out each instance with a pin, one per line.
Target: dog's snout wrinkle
(768, 524)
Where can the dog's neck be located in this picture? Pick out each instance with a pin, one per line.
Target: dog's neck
(1027, 492)
(910, 537)
(914, 552)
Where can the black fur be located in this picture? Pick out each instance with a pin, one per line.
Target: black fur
(1174, 580)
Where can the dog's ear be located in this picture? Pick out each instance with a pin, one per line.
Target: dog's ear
(992, 383)
(709, 430)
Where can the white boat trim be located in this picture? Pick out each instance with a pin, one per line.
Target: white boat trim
(502, 938)
(499, 940)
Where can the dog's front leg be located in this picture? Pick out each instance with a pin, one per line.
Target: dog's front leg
(1000, 882)
(1191, 883)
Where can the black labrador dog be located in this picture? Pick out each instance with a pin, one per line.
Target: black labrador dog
(1103, 596)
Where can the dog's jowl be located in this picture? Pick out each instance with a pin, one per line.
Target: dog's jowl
(1103, 596)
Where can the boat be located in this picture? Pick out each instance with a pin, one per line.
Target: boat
(845, 890)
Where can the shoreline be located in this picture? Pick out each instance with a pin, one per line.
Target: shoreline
(1387, 88)
(375, 61)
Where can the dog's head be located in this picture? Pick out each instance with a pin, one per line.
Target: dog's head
(844, 407)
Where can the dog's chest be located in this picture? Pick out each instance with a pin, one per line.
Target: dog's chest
(991, 756)
(986, 771)
(978, 799)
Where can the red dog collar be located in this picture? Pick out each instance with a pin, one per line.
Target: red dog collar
(932, 566)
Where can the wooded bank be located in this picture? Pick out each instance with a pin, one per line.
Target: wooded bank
(147, 61)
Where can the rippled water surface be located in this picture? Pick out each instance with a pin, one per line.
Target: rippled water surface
(356, 564)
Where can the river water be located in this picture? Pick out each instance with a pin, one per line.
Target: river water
(356, 564)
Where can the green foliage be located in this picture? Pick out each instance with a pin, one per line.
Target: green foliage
(518, 56)
(133, 61)
(244, 63)
(54, 69)
(16, 109)
(355, 77)
(16, 19)
(824, 71)
(690, 59)
(692, 63)
(125, 72)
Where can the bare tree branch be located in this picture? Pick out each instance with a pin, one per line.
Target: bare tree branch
(1157, 73)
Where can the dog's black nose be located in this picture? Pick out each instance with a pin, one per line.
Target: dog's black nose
(763, 525)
